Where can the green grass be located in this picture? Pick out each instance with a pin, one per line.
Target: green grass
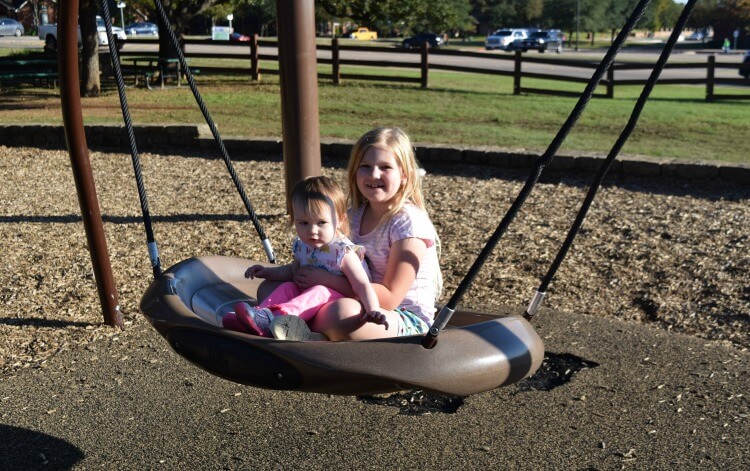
(456, 109)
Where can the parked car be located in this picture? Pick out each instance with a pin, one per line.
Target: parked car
(503, 38)
(11, 27)
(142, 29)
(745, 66)
(541, 41)
(432, 40)
(363, 34)
(48, 33)
(238, 38)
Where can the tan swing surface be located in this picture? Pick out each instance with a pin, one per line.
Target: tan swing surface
(477, 352)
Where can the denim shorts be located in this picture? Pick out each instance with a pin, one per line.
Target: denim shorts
(410, 324)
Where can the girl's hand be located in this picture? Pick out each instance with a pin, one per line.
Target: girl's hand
(256, 271)
(307, 276)
(376, 317)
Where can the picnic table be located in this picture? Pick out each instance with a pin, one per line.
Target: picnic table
(150, 67)
(28, 70)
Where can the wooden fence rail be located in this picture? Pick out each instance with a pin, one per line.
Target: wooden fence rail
(423, 65)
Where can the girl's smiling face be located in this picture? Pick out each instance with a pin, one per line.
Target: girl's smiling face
(379, 178)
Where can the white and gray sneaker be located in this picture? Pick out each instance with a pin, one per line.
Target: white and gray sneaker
(294, 328)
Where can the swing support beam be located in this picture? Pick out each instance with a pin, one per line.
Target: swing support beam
(70, 95)
(299, 91)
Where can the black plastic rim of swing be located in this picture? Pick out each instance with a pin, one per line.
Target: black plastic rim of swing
(230, 359)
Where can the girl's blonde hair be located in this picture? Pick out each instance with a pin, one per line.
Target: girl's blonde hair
(317, 196)
(396, 141)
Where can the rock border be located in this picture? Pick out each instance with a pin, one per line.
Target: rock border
(154, 137)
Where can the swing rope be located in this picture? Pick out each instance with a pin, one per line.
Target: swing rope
(153, 250)
(152, 247)
(613, 153)
(443, 317)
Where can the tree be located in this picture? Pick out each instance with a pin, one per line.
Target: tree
(90, 81)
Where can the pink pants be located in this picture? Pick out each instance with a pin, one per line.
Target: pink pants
(290, 300)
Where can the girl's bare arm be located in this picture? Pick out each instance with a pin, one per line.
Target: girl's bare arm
(355, 273)
(278, 273)
(401, 271)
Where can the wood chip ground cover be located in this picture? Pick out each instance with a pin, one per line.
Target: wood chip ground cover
(670, 253)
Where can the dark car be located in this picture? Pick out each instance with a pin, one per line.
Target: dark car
(142, 29)
(745, 66)
(541, 41)
(432, 40)
(10, 27)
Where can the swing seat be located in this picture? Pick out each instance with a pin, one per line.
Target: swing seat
(478, 352)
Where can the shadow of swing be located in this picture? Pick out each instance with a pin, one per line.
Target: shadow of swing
(556, 370)
(23, 449)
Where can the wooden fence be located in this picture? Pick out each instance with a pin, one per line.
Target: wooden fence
(253, 57)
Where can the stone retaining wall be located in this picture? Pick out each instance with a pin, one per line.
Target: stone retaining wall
(154, 137)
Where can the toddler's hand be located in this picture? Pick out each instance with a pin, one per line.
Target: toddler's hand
(376, 317)
(255, 271)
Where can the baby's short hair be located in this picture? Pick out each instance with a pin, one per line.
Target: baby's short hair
(316, 195)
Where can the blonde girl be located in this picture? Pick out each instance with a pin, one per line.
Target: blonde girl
(320, 220)
(387, 216)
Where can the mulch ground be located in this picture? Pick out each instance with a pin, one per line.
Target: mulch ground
(670, 253)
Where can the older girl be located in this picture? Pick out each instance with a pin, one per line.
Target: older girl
(387, 216)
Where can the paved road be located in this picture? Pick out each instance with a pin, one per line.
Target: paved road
(493, 60)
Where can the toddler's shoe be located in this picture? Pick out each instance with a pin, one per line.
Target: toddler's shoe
(293, 328)
(256, 320)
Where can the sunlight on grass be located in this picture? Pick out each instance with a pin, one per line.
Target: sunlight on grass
(456, 109)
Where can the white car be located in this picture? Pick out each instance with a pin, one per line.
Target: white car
(48, 33)
(503, 38)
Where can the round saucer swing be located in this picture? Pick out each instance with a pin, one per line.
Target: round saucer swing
(475, 352)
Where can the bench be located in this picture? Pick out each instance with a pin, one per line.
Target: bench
(34, 71)
(153, 67)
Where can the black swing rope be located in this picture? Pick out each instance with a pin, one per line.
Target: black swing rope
(152, 248)
(446, 312)
(624, 135)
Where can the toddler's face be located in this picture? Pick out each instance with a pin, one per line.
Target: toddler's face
(316, 230)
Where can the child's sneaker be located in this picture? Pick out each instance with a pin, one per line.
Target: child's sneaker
(293, 328)
(256, 320)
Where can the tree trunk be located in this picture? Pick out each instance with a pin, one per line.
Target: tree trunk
(90, 81)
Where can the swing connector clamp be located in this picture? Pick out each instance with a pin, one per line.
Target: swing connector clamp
(441, 320)
(534, 305)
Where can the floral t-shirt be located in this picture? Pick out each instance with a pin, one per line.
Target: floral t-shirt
(329, 256)
(408, 223)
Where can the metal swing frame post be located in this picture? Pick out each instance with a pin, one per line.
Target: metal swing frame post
(70, 96)
(298, 74)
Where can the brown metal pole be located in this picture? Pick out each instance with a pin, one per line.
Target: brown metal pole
(70, 96)
(299, 90)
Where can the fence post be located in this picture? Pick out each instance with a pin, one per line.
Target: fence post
(517, 74)
(254, 67)
(336, 69)
(611, 81)
(710, 70)
(424, 65)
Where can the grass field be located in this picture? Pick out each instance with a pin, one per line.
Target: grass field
(457, 109)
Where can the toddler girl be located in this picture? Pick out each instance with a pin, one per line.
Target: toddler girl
(319, 218)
